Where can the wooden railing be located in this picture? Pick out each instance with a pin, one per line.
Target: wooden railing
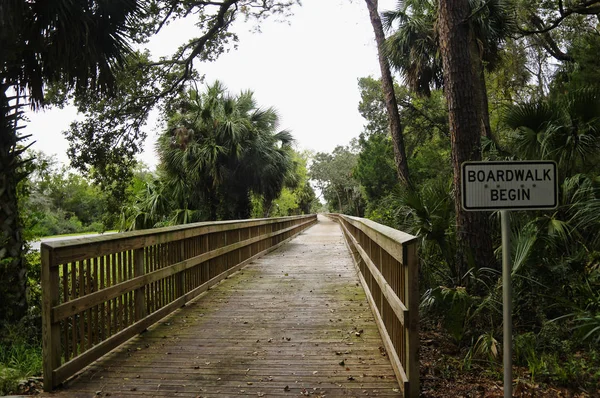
(99, 292)
(387, 263)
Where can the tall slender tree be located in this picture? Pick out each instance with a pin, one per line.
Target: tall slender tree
(391, 102)
(474, 243)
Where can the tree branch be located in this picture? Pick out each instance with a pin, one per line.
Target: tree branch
(589, 7)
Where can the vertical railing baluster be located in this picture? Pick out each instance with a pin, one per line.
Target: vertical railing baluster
(139, 293)
(180, 277)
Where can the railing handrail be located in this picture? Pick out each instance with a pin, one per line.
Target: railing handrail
(208, 226)
(400, 237)
(383, 281)
(98, 292)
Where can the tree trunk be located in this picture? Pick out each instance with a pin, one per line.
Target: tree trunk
(13, 269)
(391, 103)
(483, 100)
(341, 209)
(474, 245)
(479, 70)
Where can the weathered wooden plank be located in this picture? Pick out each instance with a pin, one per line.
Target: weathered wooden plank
(140, 293)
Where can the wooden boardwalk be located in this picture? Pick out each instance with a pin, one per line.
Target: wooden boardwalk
(295, 322)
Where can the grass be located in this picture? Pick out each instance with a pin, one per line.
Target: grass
(19, 359)
(112, 231)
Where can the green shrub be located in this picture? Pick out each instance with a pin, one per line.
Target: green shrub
(453, 305)
(9, 379)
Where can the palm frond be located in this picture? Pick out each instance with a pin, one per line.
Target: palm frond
(522, 244)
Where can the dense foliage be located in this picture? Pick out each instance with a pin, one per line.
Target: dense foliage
(221, 157)
(57, 201)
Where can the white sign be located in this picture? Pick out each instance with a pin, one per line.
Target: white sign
(519, 185)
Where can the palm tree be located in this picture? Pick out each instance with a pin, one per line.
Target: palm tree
(217, 150)
(413, 48)
(77, 44)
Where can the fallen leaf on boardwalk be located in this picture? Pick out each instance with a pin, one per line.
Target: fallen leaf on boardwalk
(261, 394)
(315, 372)
(286, 388)
(342, 363)
(382, 351)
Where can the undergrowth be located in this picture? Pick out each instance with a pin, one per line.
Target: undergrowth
(20, 358)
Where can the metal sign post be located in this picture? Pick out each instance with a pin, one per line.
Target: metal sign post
(506, 303)
(505, 186)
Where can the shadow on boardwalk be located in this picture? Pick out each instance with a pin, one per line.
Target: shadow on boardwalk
(295, 322)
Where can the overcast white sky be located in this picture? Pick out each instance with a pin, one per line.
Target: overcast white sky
(307, 69)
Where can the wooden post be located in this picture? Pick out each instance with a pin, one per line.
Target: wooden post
(50, 330)
(140, 293)
(239, 251)
(411, 267)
